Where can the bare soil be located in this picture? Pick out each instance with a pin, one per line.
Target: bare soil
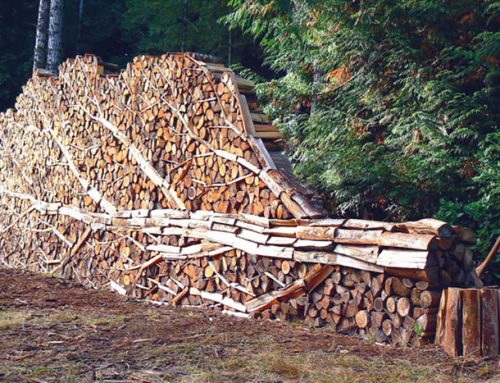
(53, 330)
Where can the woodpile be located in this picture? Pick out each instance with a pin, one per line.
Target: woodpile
(158, 183)
(468, 322)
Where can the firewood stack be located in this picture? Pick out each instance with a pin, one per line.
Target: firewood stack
(157, 182)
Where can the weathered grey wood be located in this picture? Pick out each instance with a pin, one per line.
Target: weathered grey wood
(40, 54)
(54, 44)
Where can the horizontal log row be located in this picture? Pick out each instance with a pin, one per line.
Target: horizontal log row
(157, 182)
(372, 305)
(311, 241)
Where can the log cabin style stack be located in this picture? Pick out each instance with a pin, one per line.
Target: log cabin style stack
(158, 182)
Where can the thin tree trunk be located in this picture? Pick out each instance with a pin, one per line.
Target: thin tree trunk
(54, 54)
(40, 55)
(80, 25)
(230, 48)
(317, 81)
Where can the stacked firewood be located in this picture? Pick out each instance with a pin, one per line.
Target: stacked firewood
(157, 182)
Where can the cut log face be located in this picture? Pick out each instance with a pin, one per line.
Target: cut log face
(157, 183)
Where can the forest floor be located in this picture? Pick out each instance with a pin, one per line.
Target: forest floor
(52, 330)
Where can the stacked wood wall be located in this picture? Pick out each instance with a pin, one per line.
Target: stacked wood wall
(156, 183)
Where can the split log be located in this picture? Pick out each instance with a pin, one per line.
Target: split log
(471, 333)
(489, 322)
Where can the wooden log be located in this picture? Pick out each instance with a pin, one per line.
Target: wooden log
(360, 237)
(430, 274)
(428, 226)
(387, 327)
(362, 318)
(399, 287)
(364, 253)
(390, 304)
(441, 319)
(376, 318)
(489, 322)
(378, 304)
(408, 241)
(471, 321)
(406, 259)
(452, 336)
(403, 306)
(430, 298)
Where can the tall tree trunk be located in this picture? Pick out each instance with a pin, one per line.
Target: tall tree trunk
(54, 53)
(40, 55)
(317, 81)
(80, 25)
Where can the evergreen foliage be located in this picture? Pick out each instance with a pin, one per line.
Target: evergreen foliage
(160, 26)
(403, 121)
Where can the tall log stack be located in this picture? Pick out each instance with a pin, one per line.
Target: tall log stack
(157, 182)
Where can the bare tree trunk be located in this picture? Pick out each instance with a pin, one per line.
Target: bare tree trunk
(317, 81)
(230, 48)
(54, 53)
(40, 55)
(80, 25)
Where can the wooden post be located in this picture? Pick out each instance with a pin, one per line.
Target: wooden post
(452, 340)
(489, 322)
(471, 331)
(441, 317)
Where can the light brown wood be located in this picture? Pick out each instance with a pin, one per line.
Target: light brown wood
(441, 320)
(403, 306)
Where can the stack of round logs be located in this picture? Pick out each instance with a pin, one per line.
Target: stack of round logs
(157, 183)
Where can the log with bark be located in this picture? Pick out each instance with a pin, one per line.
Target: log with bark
(468, 322)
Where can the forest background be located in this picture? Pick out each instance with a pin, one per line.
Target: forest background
(391, 109)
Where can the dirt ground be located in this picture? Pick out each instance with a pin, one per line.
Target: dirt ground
(52, 330)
